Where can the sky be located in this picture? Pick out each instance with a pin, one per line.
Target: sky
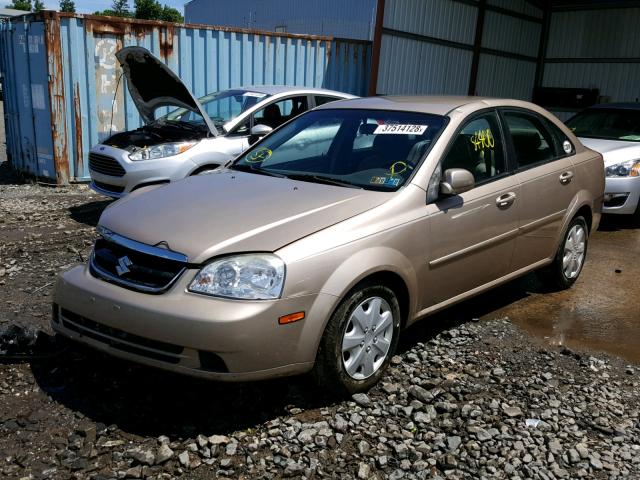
(90, 6)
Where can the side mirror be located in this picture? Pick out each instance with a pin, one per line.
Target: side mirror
(456, 181)
(259, 131)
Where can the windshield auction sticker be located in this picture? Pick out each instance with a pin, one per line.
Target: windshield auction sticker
(259, 155)
(400, 129)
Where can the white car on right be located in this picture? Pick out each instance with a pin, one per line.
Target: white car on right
(613, 129)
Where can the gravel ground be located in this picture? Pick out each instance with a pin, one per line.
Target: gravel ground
(472, 400)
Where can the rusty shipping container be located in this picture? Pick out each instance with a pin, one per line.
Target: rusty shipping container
(63, 89)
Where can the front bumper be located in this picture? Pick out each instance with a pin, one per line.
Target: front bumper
(621, 195)
(137, 174)
(190, 333)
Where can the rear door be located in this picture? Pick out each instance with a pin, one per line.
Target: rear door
(472, 235)
(547, 180)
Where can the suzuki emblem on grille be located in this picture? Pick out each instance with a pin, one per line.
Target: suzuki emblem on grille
(123, 265)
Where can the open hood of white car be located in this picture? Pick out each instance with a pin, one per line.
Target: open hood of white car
(152, 85)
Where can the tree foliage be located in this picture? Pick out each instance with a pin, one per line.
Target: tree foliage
(20, 5)
(170, 14)
(38, 6)
(152, 10)
(67, 6)
(145, 10)
(119, 8)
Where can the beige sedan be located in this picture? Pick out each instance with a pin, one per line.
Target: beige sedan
(314, 249)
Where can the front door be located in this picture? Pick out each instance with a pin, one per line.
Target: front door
(472, 235)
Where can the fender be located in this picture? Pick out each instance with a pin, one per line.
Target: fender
(367, 262)
(581, 199)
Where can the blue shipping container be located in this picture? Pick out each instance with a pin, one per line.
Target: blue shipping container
(64, 93)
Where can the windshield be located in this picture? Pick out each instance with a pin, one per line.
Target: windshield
(608, 124)
(220, 106)
(371, 149)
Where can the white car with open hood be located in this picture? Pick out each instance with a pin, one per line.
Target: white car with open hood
(197, 135)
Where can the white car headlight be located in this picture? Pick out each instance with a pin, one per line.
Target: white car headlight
(161, 151)
(630, 168)
(256, 276)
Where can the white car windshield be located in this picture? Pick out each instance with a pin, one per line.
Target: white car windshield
(370, 149)
(220, 106)
(608, 124)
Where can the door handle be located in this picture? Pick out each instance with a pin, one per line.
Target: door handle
(566, 177)
(505, 200)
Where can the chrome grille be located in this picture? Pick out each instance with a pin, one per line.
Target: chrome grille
(135, 265)
(105, 165)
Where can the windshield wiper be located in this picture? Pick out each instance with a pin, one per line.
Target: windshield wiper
(322, 179)
(259, 171)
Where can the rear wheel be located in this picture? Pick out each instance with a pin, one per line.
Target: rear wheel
(569, 259)
(359, 340)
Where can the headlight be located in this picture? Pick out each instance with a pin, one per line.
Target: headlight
(257, 276)
(630, 168)
(161, 151)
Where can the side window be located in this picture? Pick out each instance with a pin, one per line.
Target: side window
(478, 148)
(564, 146)
(321, 100)
(275, 114)
(532, 142)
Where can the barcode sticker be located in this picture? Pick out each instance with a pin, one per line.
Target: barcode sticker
(400, 129)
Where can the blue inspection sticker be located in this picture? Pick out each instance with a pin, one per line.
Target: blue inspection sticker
(385, 180)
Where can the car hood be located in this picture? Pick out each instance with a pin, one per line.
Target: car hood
(613, 151)
(152, 85)
(228, 211)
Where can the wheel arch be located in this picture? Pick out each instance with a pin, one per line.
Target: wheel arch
(374, 265)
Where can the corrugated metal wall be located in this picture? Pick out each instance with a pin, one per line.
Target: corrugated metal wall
(337, 18)
(428, 48)
(412, 60)
(512, 74)
(22, 57)
(60, 71)
(595, 49)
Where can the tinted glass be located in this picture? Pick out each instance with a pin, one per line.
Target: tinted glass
(532, 142)
(607, 123)
(275, 114)
(478, 148)
(565, 147)
(321, 100)
(221, 107)
(370, 149)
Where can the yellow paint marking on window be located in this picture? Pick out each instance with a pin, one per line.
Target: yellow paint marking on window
(260, 155)
(482, 139)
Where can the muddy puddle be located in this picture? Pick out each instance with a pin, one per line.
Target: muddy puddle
(602, 310)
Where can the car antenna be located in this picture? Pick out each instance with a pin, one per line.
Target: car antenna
(113, 102)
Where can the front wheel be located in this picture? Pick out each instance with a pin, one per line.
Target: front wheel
(569, 259)
(359, 340)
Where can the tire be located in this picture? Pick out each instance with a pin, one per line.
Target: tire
(358, 366)
(570, 257)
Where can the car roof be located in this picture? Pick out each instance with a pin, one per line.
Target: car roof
(277, 89)
(620, 106)
(435, 105)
